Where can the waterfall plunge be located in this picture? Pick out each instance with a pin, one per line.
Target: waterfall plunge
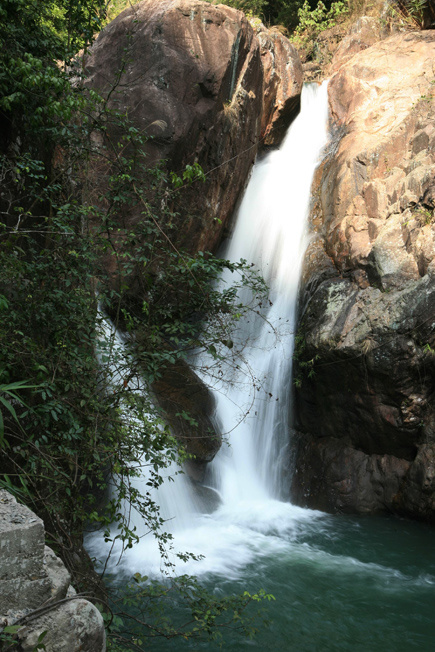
(247, 472)
(269, 232)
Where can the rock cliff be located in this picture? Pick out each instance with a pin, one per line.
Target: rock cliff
(367, 333)
(206, 87)
(35, 591)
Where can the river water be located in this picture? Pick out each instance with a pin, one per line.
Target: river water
(340, 583)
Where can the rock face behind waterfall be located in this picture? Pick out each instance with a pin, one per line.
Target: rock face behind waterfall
(193, 76)
(207, 88)
(366, 344)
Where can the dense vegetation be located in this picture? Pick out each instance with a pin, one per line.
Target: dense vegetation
(304, 20)
(65, 386)
(272, 12)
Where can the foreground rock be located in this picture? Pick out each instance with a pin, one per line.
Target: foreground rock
(368, 323)
(35, 591)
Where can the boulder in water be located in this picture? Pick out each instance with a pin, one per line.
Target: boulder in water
(188, 408)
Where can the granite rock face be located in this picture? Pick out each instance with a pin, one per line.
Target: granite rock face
(368, 292)
(71, 627)
(193, 76)
(33, 579)
(281, 85)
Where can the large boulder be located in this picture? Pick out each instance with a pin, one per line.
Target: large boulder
(367, 334)
(74, 626)
(189, 408)
(191, 76)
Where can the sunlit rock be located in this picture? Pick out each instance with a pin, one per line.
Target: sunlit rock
(367, 332)
(198, 81)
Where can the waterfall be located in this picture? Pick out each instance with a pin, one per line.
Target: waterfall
(340, 582)
(247, 473)
(269, 232)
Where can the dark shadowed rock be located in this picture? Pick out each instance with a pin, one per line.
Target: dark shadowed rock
(367, 329)
(371, 484)
(429, 15)
(207, 500)
(188, 408)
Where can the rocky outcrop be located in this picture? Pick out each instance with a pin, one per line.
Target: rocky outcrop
(281, 85)
(315, 64)
(363, 33)
(367, 335)
(35, 591)
(189, 408)
(191, 76)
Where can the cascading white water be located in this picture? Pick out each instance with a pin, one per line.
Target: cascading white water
(269, 232)
(247, 472)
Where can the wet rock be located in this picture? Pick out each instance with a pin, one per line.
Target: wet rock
(371, 483)
(189, 407)
(207, 499)
(418, 493)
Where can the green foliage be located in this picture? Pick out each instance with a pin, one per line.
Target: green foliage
(181, 608)
(414, 9)
(82, 424)
(424, 215)
(320, 18)
(11, 391)
(190, 174)
(408, 14)
(252, 7)
(304, 368)
(9, 640)
(270, 12)
(314, 21)
(115, 7)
